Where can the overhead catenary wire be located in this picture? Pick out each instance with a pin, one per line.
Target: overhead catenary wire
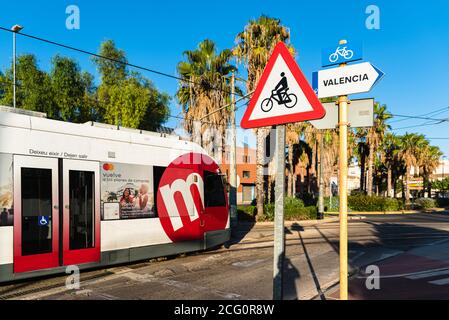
(154, 71)
(433, 113)
(111, 59)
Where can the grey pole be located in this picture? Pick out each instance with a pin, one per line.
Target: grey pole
(16, 28)
(279, 237)
(233, 160)
(321, 182)
(14, 67)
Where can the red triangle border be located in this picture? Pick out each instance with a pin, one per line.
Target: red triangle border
(318, 111)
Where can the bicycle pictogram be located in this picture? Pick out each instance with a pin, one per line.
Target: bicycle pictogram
(280, 95)
(343, 52)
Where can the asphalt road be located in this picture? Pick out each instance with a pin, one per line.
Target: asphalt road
(410, 250)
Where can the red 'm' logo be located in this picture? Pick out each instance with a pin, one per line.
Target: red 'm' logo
(180, 199)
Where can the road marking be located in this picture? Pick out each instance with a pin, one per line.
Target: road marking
(440, 282)
(358, 255)
(437, 242)
(404, 275)
(428, 274)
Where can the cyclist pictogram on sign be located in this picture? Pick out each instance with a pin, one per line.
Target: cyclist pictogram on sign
(282, 95)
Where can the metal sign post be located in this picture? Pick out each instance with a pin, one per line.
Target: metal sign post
(282, 96)
(343, 191)
(279, 235)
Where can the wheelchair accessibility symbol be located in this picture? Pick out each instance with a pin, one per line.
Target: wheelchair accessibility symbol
(280, 95)
(43, 221)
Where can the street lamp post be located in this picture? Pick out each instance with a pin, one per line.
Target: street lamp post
(16, 28)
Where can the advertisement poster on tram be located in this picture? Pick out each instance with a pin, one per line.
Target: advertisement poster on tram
(127, 191)
(6, 190)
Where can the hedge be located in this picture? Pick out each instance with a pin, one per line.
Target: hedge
(361, 202)
(424, 203)
(294, 209)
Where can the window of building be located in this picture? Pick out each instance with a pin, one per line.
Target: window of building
(246, 159)
(213, 190)
(246, 174)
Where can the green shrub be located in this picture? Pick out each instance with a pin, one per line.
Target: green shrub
(363, 202)
(425, 203)
(392, 204)
(294, 209)
(331, 206)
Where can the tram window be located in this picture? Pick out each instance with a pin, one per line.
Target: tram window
(36, 203)
(81, 195)
(157, 175)
(213, 190)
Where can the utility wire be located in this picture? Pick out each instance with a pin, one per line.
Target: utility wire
(421, 118)
(110, 59)
(439, 111)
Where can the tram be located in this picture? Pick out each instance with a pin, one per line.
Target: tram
(95, 195)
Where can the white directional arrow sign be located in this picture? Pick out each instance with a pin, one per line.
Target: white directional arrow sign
(355, 78)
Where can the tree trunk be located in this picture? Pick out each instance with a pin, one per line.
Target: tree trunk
(389, 182)
(369, 185)
(290, 169)
(295, 179)
(362, 170)
(314, 179)
(407, 179)
(259, 171)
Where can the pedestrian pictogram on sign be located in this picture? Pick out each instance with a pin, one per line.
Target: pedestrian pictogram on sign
(282, 95)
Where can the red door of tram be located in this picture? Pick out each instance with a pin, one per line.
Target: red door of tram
(49, 231)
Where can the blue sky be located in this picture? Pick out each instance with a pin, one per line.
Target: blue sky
(411, 46)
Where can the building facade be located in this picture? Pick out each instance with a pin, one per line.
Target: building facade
(246, 172)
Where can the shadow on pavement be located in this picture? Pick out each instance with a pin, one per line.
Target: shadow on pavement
(239, 232)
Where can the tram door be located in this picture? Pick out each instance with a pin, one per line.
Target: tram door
(56, 213)
(36, 213)
(81, 212)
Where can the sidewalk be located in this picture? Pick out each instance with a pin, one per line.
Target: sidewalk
(304, 223)
(433, 210)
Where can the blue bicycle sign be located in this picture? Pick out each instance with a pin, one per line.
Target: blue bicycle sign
(342, 54)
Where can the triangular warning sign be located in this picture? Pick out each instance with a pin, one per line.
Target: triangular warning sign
(282, 95)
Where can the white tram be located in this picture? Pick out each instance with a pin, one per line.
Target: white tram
(94, 195)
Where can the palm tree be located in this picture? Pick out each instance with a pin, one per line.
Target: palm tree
(389, 146)
(294, 130)
(205, 86)
(254, 46)
(429, 161)
(374, 139)
(410, 145)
